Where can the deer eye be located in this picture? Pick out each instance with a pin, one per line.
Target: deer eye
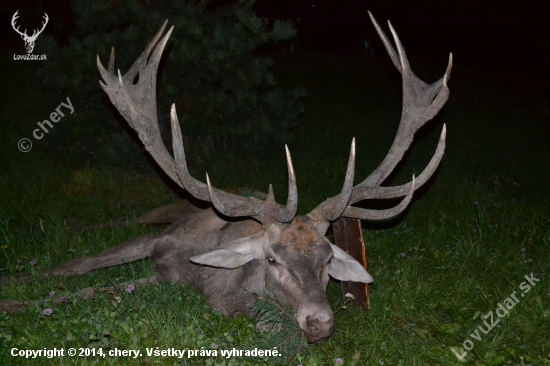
(271, 260)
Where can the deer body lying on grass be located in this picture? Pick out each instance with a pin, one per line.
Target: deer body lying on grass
(272, 251)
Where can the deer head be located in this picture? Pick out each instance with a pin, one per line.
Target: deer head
(29, 40)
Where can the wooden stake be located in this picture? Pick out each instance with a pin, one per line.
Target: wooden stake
(347, 236)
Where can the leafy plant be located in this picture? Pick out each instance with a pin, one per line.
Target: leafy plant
(278, 328)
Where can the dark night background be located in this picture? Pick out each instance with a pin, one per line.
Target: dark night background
(507, 39)
(499, 48)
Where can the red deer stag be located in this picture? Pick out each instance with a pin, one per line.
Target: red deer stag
(273, 251)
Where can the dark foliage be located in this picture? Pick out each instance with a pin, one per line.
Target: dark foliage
(226, 98)
(279, 330)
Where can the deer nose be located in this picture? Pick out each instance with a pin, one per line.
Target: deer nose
(320, 327)
(316, 321)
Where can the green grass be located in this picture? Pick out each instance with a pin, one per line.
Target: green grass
(464, 245)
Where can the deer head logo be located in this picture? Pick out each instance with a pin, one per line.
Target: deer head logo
(29, 41)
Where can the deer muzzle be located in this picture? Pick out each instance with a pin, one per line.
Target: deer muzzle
(316, 322)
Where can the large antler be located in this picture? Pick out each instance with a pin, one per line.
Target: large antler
(421, 102)
(138, 105)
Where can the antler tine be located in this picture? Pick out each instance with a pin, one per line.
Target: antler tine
(142, 63)
(197, 188)
(291, 207)
(387, 44)
(447, 75)
(391, 51)
(333, 207)
(137, 103)
(365, 214)
(264, 211)
(361, 192)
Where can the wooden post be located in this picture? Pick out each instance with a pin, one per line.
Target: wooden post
(347, 236)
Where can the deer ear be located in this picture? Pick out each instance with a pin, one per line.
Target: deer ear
(235, 253)
(344, 267)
